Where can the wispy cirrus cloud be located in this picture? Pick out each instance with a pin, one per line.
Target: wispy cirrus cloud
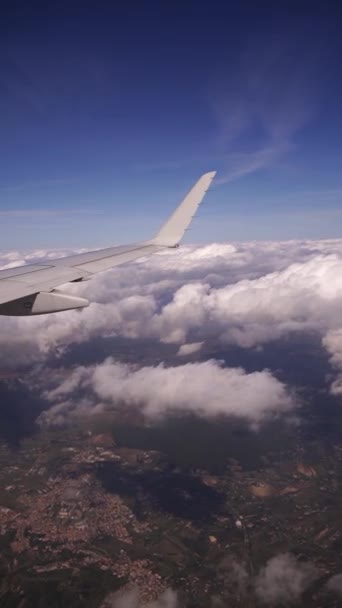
(38, 183)
(262, 108)
(41, 213)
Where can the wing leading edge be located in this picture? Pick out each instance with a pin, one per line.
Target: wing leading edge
(31, 289)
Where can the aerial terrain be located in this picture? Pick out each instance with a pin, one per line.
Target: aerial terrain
(217, 485)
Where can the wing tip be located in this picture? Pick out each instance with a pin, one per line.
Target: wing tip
(172, 231)
(210, 174)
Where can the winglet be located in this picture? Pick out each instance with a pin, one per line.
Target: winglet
(173, 230)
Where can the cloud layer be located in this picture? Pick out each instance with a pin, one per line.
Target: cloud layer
(245, 295)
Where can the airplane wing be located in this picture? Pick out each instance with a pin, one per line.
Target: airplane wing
(31, 289)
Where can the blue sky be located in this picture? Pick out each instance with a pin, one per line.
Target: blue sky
(109, 113)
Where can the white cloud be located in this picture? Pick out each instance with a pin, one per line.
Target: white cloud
(335, 584)
(207, 389)
(130, 599)
(332, 341)
(283, 580)
(167, 600)
(189, 349)
(303, 296)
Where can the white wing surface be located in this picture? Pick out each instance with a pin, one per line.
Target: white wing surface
(31, 289)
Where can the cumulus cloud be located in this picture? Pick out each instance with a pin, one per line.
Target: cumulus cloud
(283, 580)
(10, 259)
(304, 296)
(207, 389)
(332, 341)
(130, 599)
(335, 584)
(189, 349)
